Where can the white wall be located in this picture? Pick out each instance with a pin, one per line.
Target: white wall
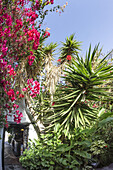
(22, 108)
(25, 119)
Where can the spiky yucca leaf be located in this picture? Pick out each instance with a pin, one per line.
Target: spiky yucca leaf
(50, 48)
(70, 47)
(71, 108)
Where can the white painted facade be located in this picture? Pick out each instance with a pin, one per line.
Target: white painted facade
(25, 119)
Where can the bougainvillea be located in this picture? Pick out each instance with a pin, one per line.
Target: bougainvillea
(20, 32)
(19, 37)
(32, 87)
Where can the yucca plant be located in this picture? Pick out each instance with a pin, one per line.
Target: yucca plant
(72, 101)
(41, 106)
(70, 47)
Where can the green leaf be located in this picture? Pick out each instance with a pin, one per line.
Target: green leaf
(52, 163)
(101, 112)
(103, 122)
(83, 154)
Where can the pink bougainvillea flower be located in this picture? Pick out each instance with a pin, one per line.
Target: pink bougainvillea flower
(17, 112)
(47, 34)
(15, 106)
(21, 96)
(6, 117)
(34, 95)
(12, 72)
(17, 92)
(68, 57)
(7, 106)
(31, 52)
(31, 81)
(13, 99)
(16, 65)
(7, 125)
(24, 89)
(47, 2)
(52, 1)
(20, 115)
(10, 93)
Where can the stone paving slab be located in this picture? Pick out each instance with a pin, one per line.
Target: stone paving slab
(110, 167)
(9, 157)
(13, 167)
(11, 162)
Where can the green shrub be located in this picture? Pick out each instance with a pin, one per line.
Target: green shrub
(101, 136)
(50, 153)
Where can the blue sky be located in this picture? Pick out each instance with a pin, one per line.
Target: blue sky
(90, 20)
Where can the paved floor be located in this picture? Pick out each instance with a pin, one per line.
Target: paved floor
(11, 162)
(110, 167)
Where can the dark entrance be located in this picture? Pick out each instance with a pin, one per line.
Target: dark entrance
(19, 137)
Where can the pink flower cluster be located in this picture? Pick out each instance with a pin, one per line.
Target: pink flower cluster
(6, 123)
(32, 16)
(21, 2)
(15, 106)
(13, 97)
(51, 1)
(46, 34)
(7, 19)
(34, 35)
(18, 35)
(37, 5)
(18, 25)
(11, 94)
(3, 64)
(31, 58)
(11, 71)
(9, 108)
(17, 118)
(33, 87)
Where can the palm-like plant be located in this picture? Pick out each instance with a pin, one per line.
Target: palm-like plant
(50, 71)
(49, 49)
(71, 108)
(70, 47)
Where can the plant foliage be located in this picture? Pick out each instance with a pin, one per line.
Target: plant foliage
(50, 153)
(72, 108)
